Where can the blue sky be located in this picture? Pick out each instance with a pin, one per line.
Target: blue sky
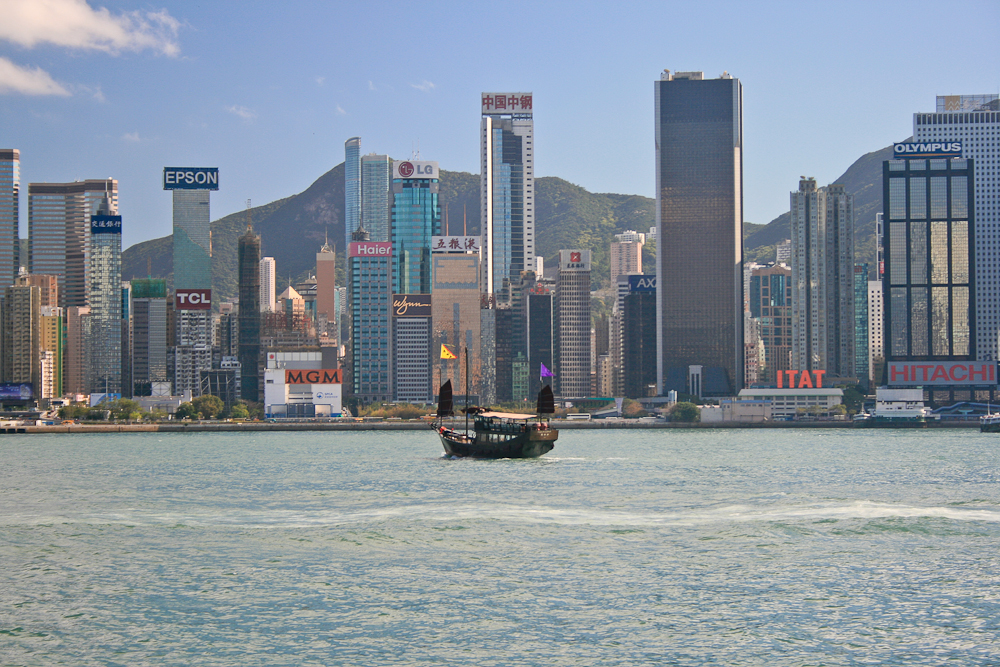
(269, 92)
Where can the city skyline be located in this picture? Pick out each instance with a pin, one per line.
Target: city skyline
(143, 93)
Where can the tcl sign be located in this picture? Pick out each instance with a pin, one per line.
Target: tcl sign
(193, 299)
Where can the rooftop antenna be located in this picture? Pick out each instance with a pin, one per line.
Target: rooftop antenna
(249, 217)
(446, 219)
(465, 222)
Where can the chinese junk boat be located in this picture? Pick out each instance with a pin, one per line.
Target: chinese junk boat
(497, 435)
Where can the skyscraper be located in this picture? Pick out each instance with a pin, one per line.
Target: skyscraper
(21, 333)
(822, 225)
(862, 367)
(105, 299)
(638, 337)
(370, 264)
(416, 217)
(456, 318)
(507, 189)
(267, 285)
(572, 324)
(59, 232)
(376, 181)
(352, 186)
(191, 189)
(929, 296)
(626, 259)
(975, 121)
(10, 199)
(771, 305)
(249, 317)
(149, 334)
(326, 290)
(699, 239)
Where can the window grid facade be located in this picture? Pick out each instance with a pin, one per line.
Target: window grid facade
(10, 186)
(930, 251)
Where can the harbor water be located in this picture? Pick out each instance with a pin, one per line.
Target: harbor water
(729, 547)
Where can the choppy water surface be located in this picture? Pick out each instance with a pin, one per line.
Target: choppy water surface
(618, 548)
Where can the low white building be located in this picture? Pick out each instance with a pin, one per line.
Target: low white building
(738, 410)
(786, 402)
(900, 404)
(297, 386)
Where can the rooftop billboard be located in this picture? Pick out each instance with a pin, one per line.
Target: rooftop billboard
(414, 169)
(942, 373)
(923, 150)
(369, 249)
(506, 103)
(190, 178)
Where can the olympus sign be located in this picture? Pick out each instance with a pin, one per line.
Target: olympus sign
(915, 151)
(190, 178)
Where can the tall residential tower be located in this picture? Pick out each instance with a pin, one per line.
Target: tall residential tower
(10, 186)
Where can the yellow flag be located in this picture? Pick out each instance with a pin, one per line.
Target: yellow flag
(446, 353)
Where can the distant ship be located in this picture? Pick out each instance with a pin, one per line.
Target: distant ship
(496, 435)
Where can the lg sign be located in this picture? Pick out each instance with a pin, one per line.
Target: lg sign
(406, 169)
(193, 299)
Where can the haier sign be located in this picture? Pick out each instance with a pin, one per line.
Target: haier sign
(193, 299)
(414, 169)
(369, 249)
(190, 178)
(642, 283)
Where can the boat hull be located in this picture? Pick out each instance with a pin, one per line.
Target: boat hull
(528, 445)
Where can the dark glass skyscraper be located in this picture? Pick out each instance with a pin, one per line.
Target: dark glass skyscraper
(249, 317)
(929, 283)
(699, 219)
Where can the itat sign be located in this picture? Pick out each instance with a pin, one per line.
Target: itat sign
(190, 178)
(414, 169)
(193, 299)
(916, 151)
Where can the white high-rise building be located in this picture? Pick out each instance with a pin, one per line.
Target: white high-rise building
(507, 188)
(876, 347)
(267, 285)
(975, 121)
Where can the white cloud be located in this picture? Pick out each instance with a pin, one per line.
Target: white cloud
(371, 86)
(27, 81)
(425, 86)
(246, 114)
(340, 110)
(75, 24)
(320, 80)
(131, 136)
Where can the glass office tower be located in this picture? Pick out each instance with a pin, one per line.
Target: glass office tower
(248, 260)
(929, 297)
(10, 185)
(352, 186)
(416, 217)
(699, 225)
(376, 180)
(105, 299)
(507, 189)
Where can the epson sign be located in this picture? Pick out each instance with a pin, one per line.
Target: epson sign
(917, 151)
(193, 299)
(190, 178)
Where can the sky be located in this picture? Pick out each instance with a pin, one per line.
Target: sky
(269, 92)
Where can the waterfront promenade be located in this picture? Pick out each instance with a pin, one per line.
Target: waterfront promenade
(414, 425)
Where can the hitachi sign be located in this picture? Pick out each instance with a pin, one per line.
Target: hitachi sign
(370, 249)
(944, 373)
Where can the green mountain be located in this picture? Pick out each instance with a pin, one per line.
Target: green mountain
(566, 216)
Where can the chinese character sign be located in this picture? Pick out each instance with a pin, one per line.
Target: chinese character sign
(455, 243)
(507, 103)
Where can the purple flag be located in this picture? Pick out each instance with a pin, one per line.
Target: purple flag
(546, 373)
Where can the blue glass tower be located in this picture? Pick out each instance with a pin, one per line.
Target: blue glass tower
(352, 187)
(416, 217)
